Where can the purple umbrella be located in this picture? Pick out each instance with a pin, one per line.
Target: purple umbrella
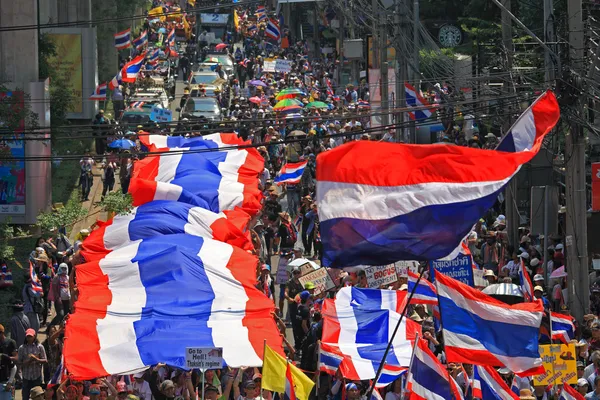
(257, 82)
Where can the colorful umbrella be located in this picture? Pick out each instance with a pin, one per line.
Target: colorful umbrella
(290, 108)
(286, 96)
(220, 46)
(257, 82)
(317, 104)
(255, 100)
(287, 103)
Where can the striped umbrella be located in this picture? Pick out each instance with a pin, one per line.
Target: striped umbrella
(287, 103)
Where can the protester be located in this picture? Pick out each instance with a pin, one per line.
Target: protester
(31, 357)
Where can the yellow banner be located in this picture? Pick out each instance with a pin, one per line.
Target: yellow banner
(560, 364)
(157, 13)
(68, 62)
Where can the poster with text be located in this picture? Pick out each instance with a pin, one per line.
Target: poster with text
(12, 151)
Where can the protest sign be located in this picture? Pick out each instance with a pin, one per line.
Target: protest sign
(560, 364)
(321, 279)
(478, 278)
(379, 275)
(204, 358)
(282, 273)
(159, 114)
(459, 268)
(402, 268)
(269, 65)
(283, 65)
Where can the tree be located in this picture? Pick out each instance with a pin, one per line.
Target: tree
(64, 216)
(117, 203)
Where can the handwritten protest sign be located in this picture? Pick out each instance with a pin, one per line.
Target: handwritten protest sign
(379, 275)
(321, 279)
(402, 268)
(560, 364)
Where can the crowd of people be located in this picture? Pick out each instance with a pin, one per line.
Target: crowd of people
(286, 230)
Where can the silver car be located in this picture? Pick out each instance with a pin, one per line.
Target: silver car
(200, 108)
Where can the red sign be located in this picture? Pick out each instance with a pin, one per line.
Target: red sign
(595, 186)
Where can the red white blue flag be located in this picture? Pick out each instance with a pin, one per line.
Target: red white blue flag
(36, 285)
(526, 285)
(396, 198)
(421, 108)
(489, 385)
(123, 39)
(100, 92)
(115, 82)
(562, 327)
(272, 30)
(130, 71)
(171, 38)
(141, 41)
(291, 173)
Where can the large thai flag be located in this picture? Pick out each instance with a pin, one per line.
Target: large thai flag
(130, 71)
(272, 29)
(489, 385)
(569, 393)
(290, 173)
(422, 108)
(428, 378)
(141, 41)
(132, 302)
(360, 331)
(115, 82)
(479, 329)
(100, 92)
(166, 218)
(526, 285)
(425, 292)
(383, 202)
(222, 179)
(156, 143)
(373, 299)
(123, 39)
(562, 327)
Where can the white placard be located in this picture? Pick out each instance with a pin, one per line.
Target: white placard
(204, 357)
(380, 275)
(321, 279)
(402, 268)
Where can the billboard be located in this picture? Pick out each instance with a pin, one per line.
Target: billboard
(595, 186)
(69, 62)
(12, 172)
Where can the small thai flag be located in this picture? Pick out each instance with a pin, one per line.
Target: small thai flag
(130, 71)
(329, 88)
(272, 30)
(115, 82)
(261, 13)
(60, 374)
(36, 285)
(425, 292)
(414, 99)
(252, 28)
(100, 92)
(123, 39)
(141, 41)
(291, 173)
(137, 104)
(154, 56)
(329, 359)
(171, 38)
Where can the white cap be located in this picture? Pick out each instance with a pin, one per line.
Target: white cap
(581, 382)
(535, 289)
(534, 262)
(404, 286)
(538, 277)
(559, 246)
(524, 255)
(489, 272)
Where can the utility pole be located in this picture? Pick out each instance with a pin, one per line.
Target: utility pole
(550, 75)
(510, 194)
(401, 66)
(342, 34)
(383, 62)
(416, 37)
(576, 216)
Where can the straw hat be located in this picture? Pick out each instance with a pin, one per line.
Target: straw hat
(526, 394)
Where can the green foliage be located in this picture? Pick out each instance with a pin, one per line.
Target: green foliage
(428, 59)
(64, 216)
(62, 98)
(117, 203)
(46, 49)
(7, 252)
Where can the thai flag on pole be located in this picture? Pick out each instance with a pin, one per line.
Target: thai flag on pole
(261, 13)
(36, 285)
(330, 91)
(60, 374)
(100, 92)
(416, 101)
(167, 218)
(251, 28)
(526, 285)
(130, 71)
(141, 41)
(562, 327)
(291, 173)
(372, 218)
(428, 378)
(214, 140)
(133, 300)
(115, 82)
(171, 38)
(425, 292)
(568, 393)
(359, 326)
(272, 30)
(331, 359)
(488, 385)
(199, 176)
(123, 39)
(154, 56)
(479, 329)
(514, 387)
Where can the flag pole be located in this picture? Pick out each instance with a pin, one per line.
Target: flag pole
(444, 338)
(318, 370)
(389, 345)
(410, 364)
(264, 352)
